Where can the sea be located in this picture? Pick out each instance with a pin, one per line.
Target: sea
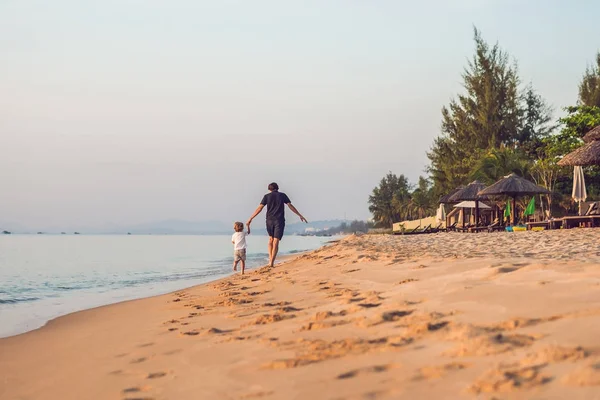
(45, 276)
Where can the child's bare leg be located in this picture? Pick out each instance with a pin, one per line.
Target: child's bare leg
(235, 263)
(243, 266)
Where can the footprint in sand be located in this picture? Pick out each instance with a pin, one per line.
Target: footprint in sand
(279, 304)
(139, 398)
(155, 375)
(510, 379)
(367, 370)
(270, 318)
(288, 309)
(369, 305)
(408, 280)
(313, 326)
(136, 389)
(439, 371)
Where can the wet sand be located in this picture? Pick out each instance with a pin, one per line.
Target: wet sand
(503, 315)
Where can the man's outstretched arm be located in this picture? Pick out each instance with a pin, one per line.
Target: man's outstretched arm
(256, 212)
(295, 211)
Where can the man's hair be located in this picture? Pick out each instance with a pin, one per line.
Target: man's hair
(273, 187)
(238, 226)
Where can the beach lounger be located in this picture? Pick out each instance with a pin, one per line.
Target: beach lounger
(436, 229)
(494, 226)
(418, 231)
(451, 227)
(465, 228)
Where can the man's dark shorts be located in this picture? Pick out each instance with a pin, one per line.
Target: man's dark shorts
(275, 228)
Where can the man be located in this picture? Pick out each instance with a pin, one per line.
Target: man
(275, 202)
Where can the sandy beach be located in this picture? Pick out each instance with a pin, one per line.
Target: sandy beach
(372, 317)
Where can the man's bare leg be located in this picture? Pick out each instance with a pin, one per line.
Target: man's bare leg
(270, 249)
(274, 251)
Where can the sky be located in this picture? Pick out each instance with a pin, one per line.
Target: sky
(129, 111)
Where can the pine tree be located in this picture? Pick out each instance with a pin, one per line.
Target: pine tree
(488, 115)
(589, 88)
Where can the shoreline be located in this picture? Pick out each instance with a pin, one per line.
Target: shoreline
(435, 316)
(282, 260)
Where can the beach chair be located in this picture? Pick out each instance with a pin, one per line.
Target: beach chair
(493, 227)
(592, 209)
(436, 229)
(451, 227)
(417, 231)
(465, 228)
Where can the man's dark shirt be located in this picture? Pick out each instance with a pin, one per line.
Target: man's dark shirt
(275, 202)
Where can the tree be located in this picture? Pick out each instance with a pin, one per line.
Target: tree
(536, 122)
(422, 198)
(546, 173)
(485, 117)
(498, 163)
(382, 202)
(589, 88)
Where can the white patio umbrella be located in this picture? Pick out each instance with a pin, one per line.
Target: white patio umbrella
(471, 204)
(441, 213)
(579, 193)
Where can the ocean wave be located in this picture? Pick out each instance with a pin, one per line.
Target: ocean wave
(18, 300)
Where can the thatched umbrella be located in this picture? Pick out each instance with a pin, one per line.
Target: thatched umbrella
(446, 199)
(470, 193)
(513, 186)
(588, 154)
(592, 135)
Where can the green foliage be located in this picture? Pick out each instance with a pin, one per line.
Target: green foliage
(492, 114)
(493, 129)
(589, 88)
(575, 125)
(536, 122)
(422, 201)
(394, 200)
(383, 202)
(498, 163)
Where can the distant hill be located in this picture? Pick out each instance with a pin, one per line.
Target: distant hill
(184, 227)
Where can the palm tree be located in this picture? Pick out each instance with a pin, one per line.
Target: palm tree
(498, 163)
(386, 201)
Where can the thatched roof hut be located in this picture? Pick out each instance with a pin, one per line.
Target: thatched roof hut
(592, 135)
(588, 154)
(470, 193)
(513, 185)
(446, 199)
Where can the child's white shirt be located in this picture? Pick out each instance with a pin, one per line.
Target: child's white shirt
(239, 240)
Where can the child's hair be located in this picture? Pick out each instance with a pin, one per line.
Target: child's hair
(238, 226)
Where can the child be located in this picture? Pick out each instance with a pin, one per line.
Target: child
(239, 245)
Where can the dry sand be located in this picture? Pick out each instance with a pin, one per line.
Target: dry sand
(432, 316)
